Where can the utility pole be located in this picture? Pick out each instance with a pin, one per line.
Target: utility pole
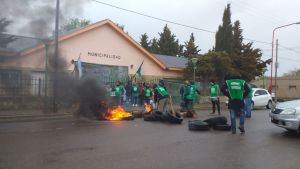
(276, 67)
(55, 58)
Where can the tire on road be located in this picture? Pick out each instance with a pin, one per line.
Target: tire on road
(223, 127)
(149, 117)
(177, 119)
(198, 125)
(159, 115)
(137, 114)
(221, 120)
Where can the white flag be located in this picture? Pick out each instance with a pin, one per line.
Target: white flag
(79, 68)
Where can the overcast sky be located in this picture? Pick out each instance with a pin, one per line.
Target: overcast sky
(258, 19)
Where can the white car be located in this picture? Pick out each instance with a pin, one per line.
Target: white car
(287, 115)
(260, 98)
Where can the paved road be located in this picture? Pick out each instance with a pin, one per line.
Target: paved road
(83, 144)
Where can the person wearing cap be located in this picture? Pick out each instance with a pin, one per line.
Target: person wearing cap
(214, 96)
(236, 90)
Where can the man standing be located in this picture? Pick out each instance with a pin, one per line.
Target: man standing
(147, 94)
(119, 92)
(161, 96)
(189, 97)
(135, 94)
(214, 97)
(236, 89)
(247, 102)
(183, 87)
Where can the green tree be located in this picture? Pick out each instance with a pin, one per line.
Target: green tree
(145, 42)
(190, 48)
(167, 43)
(5, 39)
(154, 46)
(210, 66)
(224, 35)
(74, 23)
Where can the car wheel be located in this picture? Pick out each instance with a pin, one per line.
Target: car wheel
(269, 105)
(252, 105)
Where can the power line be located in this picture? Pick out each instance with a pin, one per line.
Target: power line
(153, 17)
(173, 22)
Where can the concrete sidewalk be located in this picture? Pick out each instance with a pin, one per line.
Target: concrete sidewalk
(31, 115)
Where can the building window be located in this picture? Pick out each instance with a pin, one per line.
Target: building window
(10, 78)
(292, 87)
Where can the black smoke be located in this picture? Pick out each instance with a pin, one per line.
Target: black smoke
(37, 17)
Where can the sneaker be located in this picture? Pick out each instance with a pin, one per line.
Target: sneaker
(233, 131)
(242, 129)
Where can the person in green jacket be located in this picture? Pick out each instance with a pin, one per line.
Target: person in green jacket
(119, 92)
(135, 94)
(189, 98)
(214, 97)
(236, 90)
(147, 94)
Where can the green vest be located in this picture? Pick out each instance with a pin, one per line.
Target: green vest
(162, 91)
(119, 90)
(236, 88)
(135, 90)
(192, 93)
(214, 90)
(147, 92)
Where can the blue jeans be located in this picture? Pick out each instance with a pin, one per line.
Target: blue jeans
(135, 99)
(233, 118)
(247, 107)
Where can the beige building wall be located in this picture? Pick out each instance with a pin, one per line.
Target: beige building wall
(287, 87)
(100, 45)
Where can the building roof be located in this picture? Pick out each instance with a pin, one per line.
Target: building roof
(172, 61)
(28, 45)
(22, 43)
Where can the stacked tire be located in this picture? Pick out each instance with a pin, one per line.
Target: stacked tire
(218, 123)
(163, 117)
(198, 125)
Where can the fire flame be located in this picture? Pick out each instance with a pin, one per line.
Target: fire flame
(117, 114)
(148, 108)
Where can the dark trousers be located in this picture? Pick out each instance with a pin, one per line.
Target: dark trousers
(214, 103)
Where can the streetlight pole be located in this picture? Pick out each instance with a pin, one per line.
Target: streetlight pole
(273, 35)
(194, 61)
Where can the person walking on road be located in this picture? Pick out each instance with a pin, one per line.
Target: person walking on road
(236, 90)
(214, 97)
(247, 102)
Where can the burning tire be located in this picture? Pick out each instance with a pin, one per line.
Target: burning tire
(159, 115)
(149, 117)
(198, 125)
(216, 121)
(177, 119)
(223, 127)
(137, 114)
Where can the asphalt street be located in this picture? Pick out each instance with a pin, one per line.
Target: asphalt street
(84, 144)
